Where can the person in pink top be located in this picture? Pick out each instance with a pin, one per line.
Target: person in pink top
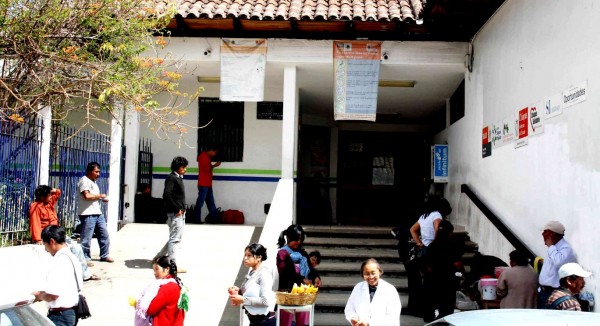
(205, 177)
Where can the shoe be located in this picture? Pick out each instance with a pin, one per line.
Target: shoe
(107, 259)
(92, 278)
(90, 264)
(181, 270)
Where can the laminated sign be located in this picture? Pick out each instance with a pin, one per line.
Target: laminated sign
(243, 64)
(356, 73)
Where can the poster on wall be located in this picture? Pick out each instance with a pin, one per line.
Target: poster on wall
(552, 106)
(496, 134)
(522, 127)
(574, 95)
(486, 144)
(536, 119)
(243, 64)
(383, 171)
(356, 75)
(439, 163)
(508, 130)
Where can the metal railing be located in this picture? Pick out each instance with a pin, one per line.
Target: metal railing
(495, 220)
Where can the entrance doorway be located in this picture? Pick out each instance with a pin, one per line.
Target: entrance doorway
(382, 177)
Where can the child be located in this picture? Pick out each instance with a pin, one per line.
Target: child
(314, 259)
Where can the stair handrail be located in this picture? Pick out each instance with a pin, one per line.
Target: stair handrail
(500, 226)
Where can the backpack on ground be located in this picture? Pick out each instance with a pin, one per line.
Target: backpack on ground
(232, 216)
(214, 218)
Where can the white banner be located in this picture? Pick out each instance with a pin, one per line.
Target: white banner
(243, 64)
(536, 118)
(574, 95)
(553, 106)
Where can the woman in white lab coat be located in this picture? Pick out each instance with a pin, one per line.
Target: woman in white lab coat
(373, 302)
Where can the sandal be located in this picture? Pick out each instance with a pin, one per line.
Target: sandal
(93, 278)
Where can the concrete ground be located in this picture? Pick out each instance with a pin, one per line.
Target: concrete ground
(212, 254)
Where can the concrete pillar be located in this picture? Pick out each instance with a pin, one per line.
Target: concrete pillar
(132, 140)
(45, 116)
(114, 185)
(289, 133)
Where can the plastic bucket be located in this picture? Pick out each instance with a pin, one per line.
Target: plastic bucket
(488, 288)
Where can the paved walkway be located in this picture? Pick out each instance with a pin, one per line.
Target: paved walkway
(212, 254)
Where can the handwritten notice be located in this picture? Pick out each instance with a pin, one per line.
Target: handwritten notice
(356, 74)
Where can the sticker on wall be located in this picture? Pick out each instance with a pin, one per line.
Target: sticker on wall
(496, 135)
(552, 106)
(508, 130)
(574, 95)
(536, 118)
(522, 127)
(486, 145)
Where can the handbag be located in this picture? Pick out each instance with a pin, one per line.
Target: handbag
(82, 310)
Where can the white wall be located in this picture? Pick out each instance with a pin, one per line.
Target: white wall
(262, 151)
(531, 50)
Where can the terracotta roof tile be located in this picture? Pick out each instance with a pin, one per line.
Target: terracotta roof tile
(362, 10)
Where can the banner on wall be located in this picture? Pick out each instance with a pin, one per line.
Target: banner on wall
(356, 74)
(243, 64)
(439, 163)
(522, 127)
(508, 130)
(496, 134)
(486, 144)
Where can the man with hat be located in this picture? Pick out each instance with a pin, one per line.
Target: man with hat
(559, 253)
(571, 282)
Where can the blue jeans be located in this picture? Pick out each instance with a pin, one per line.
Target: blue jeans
(77, 251)
(205, 194)
(88, 224)
(63, 318)
(176, 224)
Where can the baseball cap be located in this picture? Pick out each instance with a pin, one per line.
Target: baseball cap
(572, 269)
(555, 226)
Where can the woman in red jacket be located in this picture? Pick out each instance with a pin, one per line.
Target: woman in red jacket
(164, 302)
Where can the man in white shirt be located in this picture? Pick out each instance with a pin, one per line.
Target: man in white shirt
(559, 253)
(90, 213)
(63, 280)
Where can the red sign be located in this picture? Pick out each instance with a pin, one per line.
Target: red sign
(523, 122)
(485, 135)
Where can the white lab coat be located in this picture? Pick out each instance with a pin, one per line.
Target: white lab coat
(384, 310)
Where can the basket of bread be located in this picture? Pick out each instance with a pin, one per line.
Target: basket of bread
(300, 295)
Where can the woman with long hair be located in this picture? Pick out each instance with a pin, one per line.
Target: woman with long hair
(164, 302)
(256, 293)
(293, 269)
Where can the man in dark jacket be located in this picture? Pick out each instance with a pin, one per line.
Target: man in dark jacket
(174, 197)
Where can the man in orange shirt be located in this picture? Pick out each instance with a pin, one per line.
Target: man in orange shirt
(42, 214)
(205, 176)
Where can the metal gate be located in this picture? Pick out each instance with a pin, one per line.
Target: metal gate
(145, 160)
(19, 172)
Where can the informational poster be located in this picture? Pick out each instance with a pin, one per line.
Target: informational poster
(439, 159)
(486, 144)
(356, 74)
(522, 127)
(496, 134)
(243, 64)
(536, 119)
(383, 171)
(508, 130)
(574, 95)
(553, 106)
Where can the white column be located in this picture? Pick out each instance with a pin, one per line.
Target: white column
(132, 140)
(290, 122)
(116, 138)
(45, 116)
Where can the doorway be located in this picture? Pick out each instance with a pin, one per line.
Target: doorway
(382, 177)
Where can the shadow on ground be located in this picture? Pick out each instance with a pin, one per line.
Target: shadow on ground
(139, 263)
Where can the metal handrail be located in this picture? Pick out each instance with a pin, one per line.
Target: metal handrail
(506, 232)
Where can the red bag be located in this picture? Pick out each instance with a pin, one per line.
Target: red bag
(232, 216)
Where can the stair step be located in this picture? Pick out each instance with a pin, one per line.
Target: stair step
(352, 267)
(350, 242)
(328, 300)
(358, 254)
(338, 319)
(347, 283)
(348, 231)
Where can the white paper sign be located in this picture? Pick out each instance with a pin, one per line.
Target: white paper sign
(508, 130)
(574, 95)
(536, 118)
(243, 64)
(553, 106)
(496, 134)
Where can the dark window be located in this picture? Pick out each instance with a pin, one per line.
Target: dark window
(457, 103)
(225, 129)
